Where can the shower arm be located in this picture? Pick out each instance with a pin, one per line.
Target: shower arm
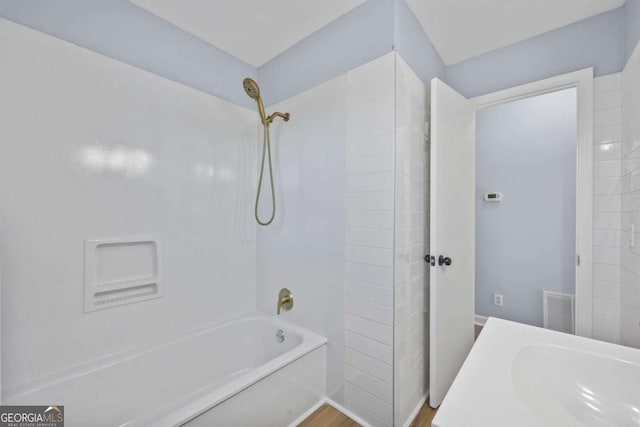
(271, 118)
(267, 120)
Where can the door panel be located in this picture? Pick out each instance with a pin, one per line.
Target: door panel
(452, 235)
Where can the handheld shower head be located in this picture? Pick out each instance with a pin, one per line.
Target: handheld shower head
(252, 88)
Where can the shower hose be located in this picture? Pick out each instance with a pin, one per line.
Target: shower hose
(266, 151)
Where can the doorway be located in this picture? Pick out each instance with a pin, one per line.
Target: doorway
(526, 210)
(453, 195)
(580, 85)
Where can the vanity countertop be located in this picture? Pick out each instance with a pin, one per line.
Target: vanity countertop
(520, 375)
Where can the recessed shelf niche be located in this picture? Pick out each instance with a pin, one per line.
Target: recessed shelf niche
(121, 271)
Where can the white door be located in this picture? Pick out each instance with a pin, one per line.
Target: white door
(452, 236)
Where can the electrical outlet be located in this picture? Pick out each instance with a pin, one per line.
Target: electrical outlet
(497, 300)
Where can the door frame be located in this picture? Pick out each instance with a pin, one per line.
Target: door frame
(582, 80)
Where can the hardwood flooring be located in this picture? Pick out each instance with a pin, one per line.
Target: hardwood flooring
(425, 416)
(328, 416)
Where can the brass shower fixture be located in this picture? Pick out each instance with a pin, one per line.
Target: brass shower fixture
(253, 90)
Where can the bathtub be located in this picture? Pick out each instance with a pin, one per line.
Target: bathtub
(237, 373)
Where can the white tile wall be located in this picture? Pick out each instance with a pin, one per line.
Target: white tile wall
(630, 256)
(411, 211)
(369, 260)
(607, 205)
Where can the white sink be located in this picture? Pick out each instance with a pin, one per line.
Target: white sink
(564, 386)
(519, 375)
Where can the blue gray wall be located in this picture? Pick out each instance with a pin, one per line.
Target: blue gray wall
(631, 26)
(128, 33)
(412, 44)
(357, 37)
(526, 243)
(124, 31)
(595, 42)
(367, 32)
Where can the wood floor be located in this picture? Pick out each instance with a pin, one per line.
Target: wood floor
(424, 417)
(328, 416)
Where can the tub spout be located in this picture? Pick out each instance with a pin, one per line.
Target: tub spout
(285, 300)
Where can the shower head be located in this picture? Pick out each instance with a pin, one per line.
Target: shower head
(252, 88)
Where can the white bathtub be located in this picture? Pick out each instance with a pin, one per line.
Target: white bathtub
(232, 374)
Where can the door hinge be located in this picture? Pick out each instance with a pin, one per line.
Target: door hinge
(578, 259)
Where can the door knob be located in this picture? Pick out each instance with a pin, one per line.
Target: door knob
(442, 260)
(429, 259)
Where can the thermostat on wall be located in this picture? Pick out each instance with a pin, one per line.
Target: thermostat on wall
(492, 197)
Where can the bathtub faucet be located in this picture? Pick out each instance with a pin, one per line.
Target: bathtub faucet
(285, 300)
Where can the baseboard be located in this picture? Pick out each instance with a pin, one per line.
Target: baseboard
(416, 410)
(480, 320)
(326, 400)
(348, 413)
(308, 412)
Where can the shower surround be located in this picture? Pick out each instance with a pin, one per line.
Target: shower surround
(116, 160)
(93, 148)
(352, 178)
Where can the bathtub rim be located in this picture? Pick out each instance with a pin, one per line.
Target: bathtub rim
(185, 412)
(310, 341)
(189, 411)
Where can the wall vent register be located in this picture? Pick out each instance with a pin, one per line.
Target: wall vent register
(558, 311)
(121, 271)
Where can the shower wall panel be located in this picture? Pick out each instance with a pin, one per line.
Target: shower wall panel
(92, 148)
(332, 241)
(351, 171)
(303, 249)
